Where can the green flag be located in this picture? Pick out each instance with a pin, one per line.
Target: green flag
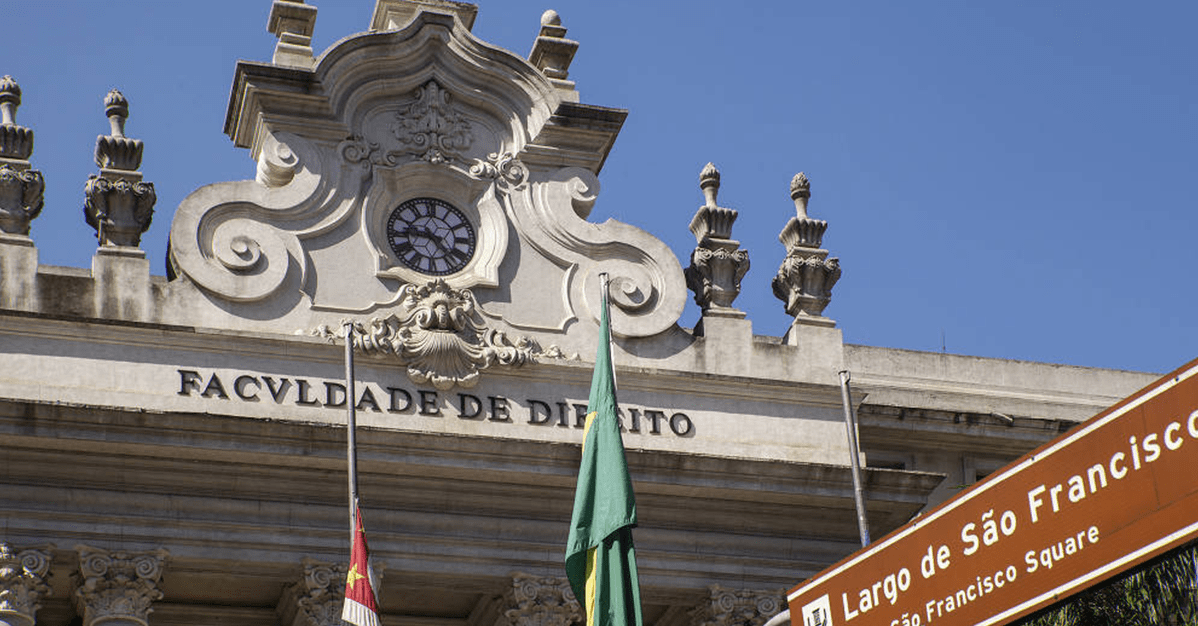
(600, 561)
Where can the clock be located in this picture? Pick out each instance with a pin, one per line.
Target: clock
(431, 236)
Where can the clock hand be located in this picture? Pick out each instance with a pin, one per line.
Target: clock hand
(417, 231)
(437, 242)
(428, 235)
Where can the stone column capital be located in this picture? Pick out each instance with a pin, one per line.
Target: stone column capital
(314, 600)
(23, 575)
(738, 607)
(116, 588)
(541, 601)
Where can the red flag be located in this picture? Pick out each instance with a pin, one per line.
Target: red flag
(360, 608)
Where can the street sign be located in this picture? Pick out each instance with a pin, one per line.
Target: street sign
(1114, 492)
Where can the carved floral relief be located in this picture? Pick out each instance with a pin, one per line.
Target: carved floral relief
(431, 127)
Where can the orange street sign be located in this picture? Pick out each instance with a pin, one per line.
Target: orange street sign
(1114, 492)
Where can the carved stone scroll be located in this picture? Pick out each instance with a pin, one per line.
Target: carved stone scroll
(238, 240)
(541, 601)
(118, 588)
(647, 286)
(23, 577)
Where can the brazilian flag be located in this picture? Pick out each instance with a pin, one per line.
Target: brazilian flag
(600, 561)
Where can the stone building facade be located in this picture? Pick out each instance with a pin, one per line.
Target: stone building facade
(174, 447)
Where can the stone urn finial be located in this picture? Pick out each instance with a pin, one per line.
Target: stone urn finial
(116, 201)
(20, 186)
(800, 192)
(116, 107)
(709, 182)
(802, 230)
(805, 279)
(115, 151)
(718, 263)
(16, 142)
(10, 99)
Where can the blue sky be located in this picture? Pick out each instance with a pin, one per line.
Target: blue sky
(1011, 177)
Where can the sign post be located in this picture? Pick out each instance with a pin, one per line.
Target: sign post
(1118, 490)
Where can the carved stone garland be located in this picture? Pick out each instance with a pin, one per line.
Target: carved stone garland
(718, 263)
(541, 601)
(116, 202)
(117, 588)
(21, 188)
(23, 577)
(729, 607)
(442, 337)
(316, 599)
(805, 279)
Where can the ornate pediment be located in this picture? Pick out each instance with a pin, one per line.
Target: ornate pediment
(387, 117)
(412, 155)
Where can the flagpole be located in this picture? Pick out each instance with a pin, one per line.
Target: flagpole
(850, 424)
(604, 286)
(351, 426)
(600, 558)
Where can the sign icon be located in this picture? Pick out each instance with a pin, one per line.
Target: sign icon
(818, 612)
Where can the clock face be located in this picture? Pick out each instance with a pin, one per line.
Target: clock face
(430, 236)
